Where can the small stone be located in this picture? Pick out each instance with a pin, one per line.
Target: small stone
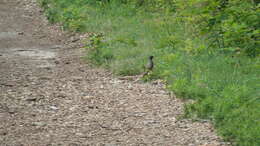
(39, 124)
(80, 134)
(72, 108)
(87, 97)
(91, 107)
(150, 122)
(81, 69)
(54, 108)
(44, 78)
(75, 40)
(183, 126)
(139, 114)
(54, 119)
(61, 95)
(7, 84)
(31, 99)
(56, 62)
(130, 87)
(3, 133)
(76, 78)
(173, 119)
(20, 33)
(11, 111)
(47, 68)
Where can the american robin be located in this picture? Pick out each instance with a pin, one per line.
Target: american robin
(149, 66)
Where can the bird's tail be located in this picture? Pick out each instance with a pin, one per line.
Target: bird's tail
(145, 73)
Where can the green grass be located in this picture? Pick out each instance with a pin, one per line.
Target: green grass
(225, 86)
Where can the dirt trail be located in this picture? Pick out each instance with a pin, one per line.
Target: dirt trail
(48, 96)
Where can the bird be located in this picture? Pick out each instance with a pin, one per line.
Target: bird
(150, 63)
(149, 66)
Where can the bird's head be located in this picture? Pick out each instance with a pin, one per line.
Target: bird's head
(151, 57)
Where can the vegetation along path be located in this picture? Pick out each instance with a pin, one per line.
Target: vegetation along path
(48, 96)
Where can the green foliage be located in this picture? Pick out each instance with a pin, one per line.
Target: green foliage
(228, 24)
(206, 50)
(100, 55)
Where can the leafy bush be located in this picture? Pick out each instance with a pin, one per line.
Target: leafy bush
(229, 24)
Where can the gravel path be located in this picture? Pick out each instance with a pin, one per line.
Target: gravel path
(49, 96)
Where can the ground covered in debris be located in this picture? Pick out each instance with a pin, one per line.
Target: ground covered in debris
(49, 96)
